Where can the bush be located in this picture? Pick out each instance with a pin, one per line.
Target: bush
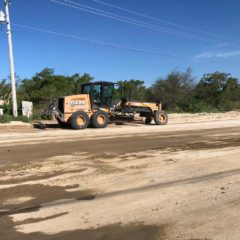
(6, 108)
(5, 118)
(22, 119)
(36, 117)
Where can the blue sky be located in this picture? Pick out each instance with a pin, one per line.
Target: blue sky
(33, 50)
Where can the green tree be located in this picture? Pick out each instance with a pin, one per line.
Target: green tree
(5, 95)
(173, 91)
(5, 91)
(78, 80)
(45, 86)
(220, 90)
(132, 89)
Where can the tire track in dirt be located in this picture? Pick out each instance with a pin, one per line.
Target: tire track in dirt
(183, 140)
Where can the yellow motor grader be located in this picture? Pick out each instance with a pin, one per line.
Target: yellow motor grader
(95, 106)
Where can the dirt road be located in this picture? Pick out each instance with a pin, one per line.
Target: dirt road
(179, 181)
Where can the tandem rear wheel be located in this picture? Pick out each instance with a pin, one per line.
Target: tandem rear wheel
(99, 119)
(79, 120)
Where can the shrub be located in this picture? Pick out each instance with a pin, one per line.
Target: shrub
(6, 108)
(5, 118)
(22, 119)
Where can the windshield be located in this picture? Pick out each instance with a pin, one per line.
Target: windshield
(107, 94)
(101, 93)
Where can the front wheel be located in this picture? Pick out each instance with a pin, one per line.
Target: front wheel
(79, 120)
(160, 118)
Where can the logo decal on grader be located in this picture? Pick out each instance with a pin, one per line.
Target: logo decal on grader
(77, 102)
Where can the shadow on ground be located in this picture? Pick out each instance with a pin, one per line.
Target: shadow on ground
(110, 232)
(40, 195)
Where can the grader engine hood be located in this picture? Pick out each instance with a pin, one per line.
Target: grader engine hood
(75, 103)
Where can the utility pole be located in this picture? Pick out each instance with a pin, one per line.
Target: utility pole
(12, 71)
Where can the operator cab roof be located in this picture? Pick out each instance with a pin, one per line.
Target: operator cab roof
(100, 82)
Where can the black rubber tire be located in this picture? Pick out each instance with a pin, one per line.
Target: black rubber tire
(62, 124)
(148, 120)
(75, 123)
(95, 119)
(160, 118)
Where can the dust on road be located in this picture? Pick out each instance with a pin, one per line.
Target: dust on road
(138, 182)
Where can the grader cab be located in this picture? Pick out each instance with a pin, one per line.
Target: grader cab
(96, 106)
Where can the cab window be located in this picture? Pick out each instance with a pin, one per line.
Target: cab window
(107, 94)
(97, 94)
(86, 89)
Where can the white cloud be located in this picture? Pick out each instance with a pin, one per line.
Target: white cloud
(227, 54)
(206, 55)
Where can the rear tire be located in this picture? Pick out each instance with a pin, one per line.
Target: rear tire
(148, 120)
(160, 118)
(99, 119)
(79, 120)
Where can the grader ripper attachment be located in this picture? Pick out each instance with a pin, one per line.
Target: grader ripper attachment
(95, 106)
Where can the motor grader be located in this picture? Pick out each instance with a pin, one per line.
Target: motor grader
(95, 106)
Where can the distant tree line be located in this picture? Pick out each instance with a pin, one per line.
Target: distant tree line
(178, 91)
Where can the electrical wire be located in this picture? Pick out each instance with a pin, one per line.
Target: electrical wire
(131, 21)
(107, 44)
(166, 22)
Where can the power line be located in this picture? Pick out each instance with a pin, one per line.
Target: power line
(166, 22)
(97, 42)
(141, 22)
(107, 44)
(132, 21)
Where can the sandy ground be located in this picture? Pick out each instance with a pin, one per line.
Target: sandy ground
(179, 181)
